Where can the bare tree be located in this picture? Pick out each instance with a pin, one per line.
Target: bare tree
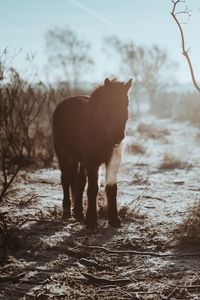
(157, 73)
(68, 52)
(185, 52)
(130, 57)
(150, 67)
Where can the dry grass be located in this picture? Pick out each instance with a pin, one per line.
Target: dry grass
(151, 131)
(139, 179)
(188, 232)
(170, 162)
(126, 213)
(129, 214)
(27, 200)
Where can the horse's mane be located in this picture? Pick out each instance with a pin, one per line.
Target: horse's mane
(97, 93)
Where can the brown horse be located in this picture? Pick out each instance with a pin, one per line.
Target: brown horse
(87, 132)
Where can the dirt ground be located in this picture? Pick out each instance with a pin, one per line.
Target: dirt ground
(45, 257)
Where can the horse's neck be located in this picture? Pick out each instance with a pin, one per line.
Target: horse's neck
(97, 144)
(95, 109)
(96, 116)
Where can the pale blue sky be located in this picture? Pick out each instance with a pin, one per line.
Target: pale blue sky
(23, 24)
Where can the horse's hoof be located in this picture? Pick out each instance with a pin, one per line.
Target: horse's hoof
(90, 224)
(116, 223)
(66, 214)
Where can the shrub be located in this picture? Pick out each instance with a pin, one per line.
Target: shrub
(188, 232)
(170, 162)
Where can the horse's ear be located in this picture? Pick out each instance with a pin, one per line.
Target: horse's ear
(107, 82)
(128, 84)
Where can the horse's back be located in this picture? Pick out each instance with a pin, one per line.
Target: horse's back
(67, 120)
(68, 106)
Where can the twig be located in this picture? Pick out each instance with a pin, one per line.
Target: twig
(94, 279)
(182, 286)
(30, 220)
(147, 253)
(139, 196)
(154, 198)
(35, 281)
(5, 261)
(77, 254)
(31, 197)
(171, 294)
(37, 220)
(147, 292)
(198, 278)
(13, 279)
(92, 263)
(7, 184)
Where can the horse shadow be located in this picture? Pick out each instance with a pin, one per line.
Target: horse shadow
(42, 242)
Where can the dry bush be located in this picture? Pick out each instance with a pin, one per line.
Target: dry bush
(135, 148)
(170, 162)
(151, 131)
(188, 232)
(20, 106)
(198, 137)
(164, 104)
(131, 214)
(181, 106)
(54, 213)
(187, 108)
(25, 117)
(26, 109)
(26, 200)
(3, 236)
(126, 213)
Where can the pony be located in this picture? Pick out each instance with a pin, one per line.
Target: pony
(87, 132)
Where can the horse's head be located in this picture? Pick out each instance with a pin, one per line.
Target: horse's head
(116, 108)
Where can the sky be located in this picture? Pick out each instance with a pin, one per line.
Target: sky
(24, 23)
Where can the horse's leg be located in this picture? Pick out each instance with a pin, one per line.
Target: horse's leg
(111, 187)
(111, 193)
(91, 214)
(65, 180)
(73, 179)
(80, 186)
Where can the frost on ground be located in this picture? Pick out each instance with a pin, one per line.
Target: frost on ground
(45, 257)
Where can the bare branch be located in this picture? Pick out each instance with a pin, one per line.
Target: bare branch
(6, 183)
(101, 280)
(143, 253)
(184, 51)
